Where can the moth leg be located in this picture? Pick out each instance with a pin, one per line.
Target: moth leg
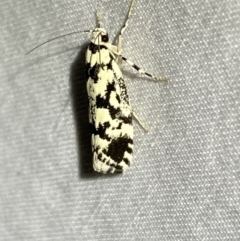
(120, 38)
(143, 72)
(145, 128)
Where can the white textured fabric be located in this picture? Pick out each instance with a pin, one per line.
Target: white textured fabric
(184, 181)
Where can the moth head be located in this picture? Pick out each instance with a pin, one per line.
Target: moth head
(100, 35)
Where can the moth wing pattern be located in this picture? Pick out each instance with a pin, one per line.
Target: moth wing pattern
(110, 113)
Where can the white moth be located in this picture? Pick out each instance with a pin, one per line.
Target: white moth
(110, 113)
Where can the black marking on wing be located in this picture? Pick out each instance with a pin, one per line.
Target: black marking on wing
(112, 167)
(93, 72)
(118, 98)
(126, 161)
(117, 147)
(94, 48)
(104, 102)
(101, 131)
(110, 87)
(109, 65)
(99, 156)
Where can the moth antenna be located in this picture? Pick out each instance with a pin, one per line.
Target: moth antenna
(99, 23)
(64, 35)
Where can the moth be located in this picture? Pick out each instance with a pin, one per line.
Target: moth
(110, 112)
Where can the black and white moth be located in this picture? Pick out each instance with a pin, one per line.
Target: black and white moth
(110, 112)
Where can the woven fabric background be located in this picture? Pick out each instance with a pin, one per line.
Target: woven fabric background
(184, 181)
